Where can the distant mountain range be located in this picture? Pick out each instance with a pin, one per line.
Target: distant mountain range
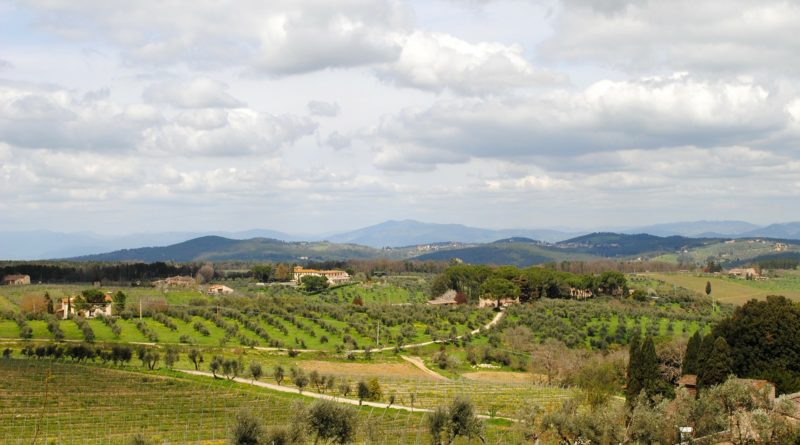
(394, 234)
(518, 251)
(411, 233)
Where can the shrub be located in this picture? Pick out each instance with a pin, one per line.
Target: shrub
(331, 422)
(247, 430)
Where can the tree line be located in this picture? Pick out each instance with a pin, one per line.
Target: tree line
(76, 272)
(528, 284)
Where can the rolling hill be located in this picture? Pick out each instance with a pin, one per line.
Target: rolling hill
(614, 245)
(216, 248)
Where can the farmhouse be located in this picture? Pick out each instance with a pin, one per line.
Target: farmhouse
(748, 273)
(16, 280)
(334, 276)
(580, 294)
(446, 299)
(177, 281)
(689, 381)
(88, 310)
(218, 289)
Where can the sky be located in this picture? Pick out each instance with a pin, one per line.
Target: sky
(312, 116)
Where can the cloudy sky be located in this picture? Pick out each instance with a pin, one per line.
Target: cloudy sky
(323, 115)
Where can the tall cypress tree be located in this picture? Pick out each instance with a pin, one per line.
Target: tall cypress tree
(648, 363)
(634, 381)
(690, 360)
(717, 366)
(706, 346)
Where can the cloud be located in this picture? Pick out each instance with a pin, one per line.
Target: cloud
(5, 65)
(437, 61)
(320, 108)
(33, 116)
(606, 116)
(715, 36)
(338, 141)
(233, 132)
(274, 38)
(200, 92)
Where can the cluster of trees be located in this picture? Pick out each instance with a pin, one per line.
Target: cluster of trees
(764, 341)
(78, 272)
(709, 358)
(323, 421)
(643, 376)
(526, 284)
(731, 412)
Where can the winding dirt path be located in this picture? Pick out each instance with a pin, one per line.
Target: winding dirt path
(487, 326)
(416, 361)
(315, 395)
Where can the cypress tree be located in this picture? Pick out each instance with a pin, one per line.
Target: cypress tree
(706, 346)
(692, 357)
(648, 363)
(717, 366)
(634, 381)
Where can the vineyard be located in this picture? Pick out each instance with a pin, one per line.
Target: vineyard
(53, 402)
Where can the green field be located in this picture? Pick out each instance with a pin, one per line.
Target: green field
(733, 290)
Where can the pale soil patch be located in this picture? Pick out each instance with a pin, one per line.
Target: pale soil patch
(383, 370)
(505, 377)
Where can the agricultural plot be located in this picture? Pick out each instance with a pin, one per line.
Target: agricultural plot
(734, 291)
(600, 324)
(324, 327)
(52, 402)
(381, 293)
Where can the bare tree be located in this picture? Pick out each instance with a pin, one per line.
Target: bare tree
(205, 274)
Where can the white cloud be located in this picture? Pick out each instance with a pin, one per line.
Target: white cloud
(236, 132)
(739, 36)
(276, 37)
(437, 61)
(320, 108)
(33, 116)
(200, 92)
(606, 116)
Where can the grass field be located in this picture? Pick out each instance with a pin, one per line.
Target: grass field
(734, 291)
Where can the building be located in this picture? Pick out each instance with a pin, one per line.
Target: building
(218, 289)
(334, 276)
(93, 310)
(689, 381)
(16, 280)
(580, 294)
(446, 299)
(748, 273)
(177, 281)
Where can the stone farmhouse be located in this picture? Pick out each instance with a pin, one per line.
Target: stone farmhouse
(68, 308)
(16, 280)
(748, 273)
(177, 281)
(334, 276)
(219, 289)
